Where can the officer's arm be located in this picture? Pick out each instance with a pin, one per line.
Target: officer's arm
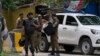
(36, 25)
(23, 28)
(55, 24)
(17, 23)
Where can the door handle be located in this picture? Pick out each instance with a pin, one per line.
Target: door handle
(64, 28)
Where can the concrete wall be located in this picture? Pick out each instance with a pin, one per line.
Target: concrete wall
(13, 15)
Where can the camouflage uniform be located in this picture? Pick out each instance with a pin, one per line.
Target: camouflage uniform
(38, 32)
(54, 37)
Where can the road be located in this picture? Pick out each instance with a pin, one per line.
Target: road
(46, 54)
(76, 52)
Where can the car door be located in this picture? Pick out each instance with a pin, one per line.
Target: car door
(60, 28)
(70, 29)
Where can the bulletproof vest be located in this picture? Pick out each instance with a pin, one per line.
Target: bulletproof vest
(28, 24)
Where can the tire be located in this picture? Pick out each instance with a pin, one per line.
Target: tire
(86, 46)
(68, 48)
(44, 45)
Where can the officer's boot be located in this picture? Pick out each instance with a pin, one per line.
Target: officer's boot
(57, 53)
(52, 53)
(26, 54)
(36, 49)
(32, 50)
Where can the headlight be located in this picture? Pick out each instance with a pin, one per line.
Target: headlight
(95, 31)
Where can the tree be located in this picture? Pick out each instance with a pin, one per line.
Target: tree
(23, 2)
(51, 3)
(8, 5)
(12, 4)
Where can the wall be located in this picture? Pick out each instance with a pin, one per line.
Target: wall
(12, 16)
(9, 19)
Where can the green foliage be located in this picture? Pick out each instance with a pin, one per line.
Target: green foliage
(12, 4)
(8, 4)
(23, 2)
(51, 3)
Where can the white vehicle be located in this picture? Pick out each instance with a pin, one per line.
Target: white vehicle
(76, 29)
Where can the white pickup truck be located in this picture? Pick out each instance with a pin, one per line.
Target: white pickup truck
(76, 29)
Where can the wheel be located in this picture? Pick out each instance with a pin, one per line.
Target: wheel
(86, 46)
(68, 48)
(44, 45)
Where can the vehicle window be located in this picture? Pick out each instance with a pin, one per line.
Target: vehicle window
(61, 18)
(89, 20)
(70, 20)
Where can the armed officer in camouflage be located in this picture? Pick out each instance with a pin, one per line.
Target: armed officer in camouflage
(54, 37)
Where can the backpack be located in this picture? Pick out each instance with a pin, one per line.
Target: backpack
(49, 30)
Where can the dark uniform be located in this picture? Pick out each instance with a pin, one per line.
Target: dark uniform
(30, 34)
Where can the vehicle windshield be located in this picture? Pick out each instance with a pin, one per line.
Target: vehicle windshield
(89, 20)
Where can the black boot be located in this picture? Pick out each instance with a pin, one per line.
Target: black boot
(26, 52)
(52, 54)
(36, 50)
(33, 54)
(57, 53)
(32, 51)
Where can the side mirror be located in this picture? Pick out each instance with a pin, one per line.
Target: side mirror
(74, 23)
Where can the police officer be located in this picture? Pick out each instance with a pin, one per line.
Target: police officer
(38, 17)
(30, 26)
(54, 37)
(19, 23)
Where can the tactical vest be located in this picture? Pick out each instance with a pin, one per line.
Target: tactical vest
(28, 25)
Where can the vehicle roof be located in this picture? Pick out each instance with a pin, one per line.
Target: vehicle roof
(75, 14)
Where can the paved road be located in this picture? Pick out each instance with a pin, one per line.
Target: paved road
(62, 54)
(76, 52)
(46, 54)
